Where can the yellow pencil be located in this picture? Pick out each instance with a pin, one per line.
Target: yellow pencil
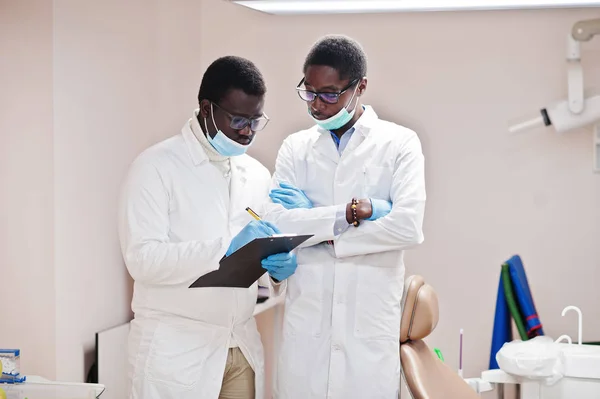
(251, 212)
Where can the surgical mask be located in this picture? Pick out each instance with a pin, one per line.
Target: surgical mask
(340, 119)
(223, 144)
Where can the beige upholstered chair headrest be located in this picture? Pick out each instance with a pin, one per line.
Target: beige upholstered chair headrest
(420, 311)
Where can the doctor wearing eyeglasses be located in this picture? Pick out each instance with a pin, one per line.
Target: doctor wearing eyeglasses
(183, 209)
(360, 182)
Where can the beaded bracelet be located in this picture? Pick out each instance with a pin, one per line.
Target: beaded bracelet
(355, 221)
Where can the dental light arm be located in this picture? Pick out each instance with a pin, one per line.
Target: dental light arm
(577, 111)
(582, 31)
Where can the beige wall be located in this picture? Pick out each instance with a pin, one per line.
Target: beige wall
(126, 75)
(26, 189)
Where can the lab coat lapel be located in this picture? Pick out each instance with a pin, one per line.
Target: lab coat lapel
(238, 187)
(357, 138)
(325, 146)
(362, 129)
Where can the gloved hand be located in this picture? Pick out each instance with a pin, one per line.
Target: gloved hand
(280, 266)
(380, 208)
(290, 197)
(254, 229)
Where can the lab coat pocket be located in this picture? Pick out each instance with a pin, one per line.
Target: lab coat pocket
(304, 307)
(377, 181)
(378, 298)
(176, 356)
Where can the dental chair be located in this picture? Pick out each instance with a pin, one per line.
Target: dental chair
(425, 375)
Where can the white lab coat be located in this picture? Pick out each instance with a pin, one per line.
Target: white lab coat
(342, 310)
(177, 220)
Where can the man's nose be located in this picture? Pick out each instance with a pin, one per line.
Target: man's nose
(246, 131)
(318, 105)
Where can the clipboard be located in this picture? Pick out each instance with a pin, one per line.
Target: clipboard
(243, 268)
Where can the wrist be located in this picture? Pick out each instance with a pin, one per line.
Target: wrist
(363, 210)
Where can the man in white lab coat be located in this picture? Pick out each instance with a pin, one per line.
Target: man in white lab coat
(342, 315)
(182, 210)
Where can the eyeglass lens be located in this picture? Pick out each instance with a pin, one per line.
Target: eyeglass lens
(239, 123)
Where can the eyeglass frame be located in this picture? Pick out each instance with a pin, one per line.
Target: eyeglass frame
(248, 121)
(319, 94)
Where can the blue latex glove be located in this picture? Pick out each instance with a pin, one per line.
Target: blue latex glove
(290, 197)
(380, 208)
(280, 266)
(254, 229)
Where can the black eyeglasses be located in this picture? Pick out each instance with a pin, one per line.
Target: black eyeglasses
(237, 122)
(329, 98)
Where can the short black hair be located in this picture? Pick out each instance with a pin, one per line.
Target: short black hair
(341, 53)
(231, 72)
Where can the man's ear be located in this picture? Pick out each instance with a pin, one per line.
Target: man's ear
(362, 86)
(204, 109)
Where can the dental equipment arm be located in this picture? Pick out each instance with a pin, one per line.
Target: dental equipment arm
(576, 111)
(582, 31)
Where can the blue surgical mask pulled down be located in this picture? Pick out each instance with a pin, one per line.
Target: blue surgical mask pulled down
(223, 144)
(338, 120)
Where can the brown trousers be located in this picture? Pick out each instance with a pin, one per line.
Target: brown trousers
(238, 380)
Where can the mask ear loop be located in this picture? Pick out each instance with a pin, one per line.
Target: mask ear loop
(205, 126)
(354, 94)
(212, 115)
(352, 98)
